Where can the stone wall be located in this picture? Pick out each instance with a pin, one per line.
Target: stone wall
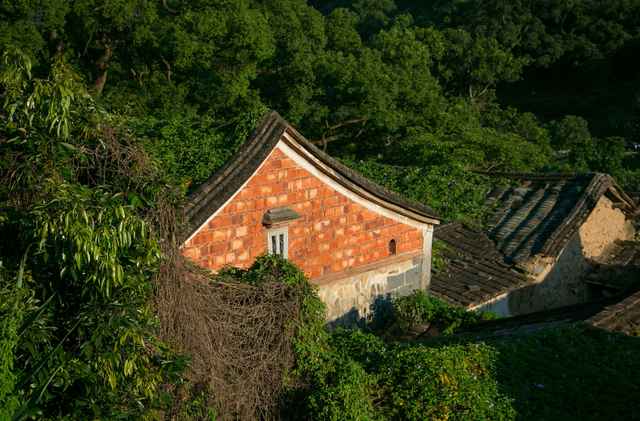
(357, 296)
(334, 234)
(560, 284)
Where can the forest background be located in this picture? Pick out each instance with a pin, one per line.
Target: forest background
(417, 95)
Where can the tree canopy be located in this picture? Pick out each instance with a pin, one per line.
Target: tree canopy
(397, 83)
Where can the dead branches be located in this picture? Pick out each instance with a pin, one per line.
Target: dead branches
(238, 336)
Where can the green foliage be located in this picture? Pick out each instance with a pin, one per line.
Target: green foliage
(540, 31)
(419, 308)
(592, 369)
(333, 386)
(579, 151)
(340, 390)
(196, 406)
(354, 375)
(448, 383)
(75, 208)
(403, 91)
(451, 190)
(13, 306)
(366, 349)
(363, 378)
(473, 64)
(398, 84)
(192, 147)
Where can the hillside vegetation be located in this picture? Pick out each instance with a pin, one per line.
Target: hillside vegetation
(111, 111)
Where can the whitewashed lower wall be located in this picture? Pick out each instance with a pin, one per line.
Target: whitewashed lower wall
(354, 298)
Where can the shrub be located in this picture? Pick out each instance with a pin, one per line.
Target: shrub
(11, 315)
(448, 383)
(340, 390)
(365, 348)
(420, 308)
(360, 377)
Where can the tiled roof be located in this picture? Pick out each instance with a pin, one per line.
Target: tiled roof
(619, 269)
(539, 213)
(533, 322)
(623, 316)
(626, 253)
(474, 270)
(221, 186)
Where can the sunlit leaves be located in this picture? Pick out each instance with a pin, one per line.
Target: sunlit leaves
(94, 235)
(33, 102)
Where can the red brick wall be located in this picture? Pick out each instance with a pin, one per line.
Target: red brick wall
(333, 233)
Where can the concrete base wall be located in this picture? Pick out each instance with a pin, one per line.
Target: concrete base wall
(352, 299)
(499, 306)
(557, 285)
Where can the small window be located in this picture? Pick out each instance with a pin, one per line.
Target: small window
(278, 242)
(392, 247)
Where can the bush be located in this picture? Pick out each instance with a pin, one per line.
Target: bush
(448, 383)
(360, 377)
(11, 315)
(341, 390)
(366, 349)
(420, 308)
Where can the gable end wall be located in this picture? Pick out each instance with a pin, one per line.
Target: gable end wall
(334, 234)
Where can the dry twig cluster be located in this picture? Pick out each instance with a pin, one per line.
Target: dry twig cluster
(238, 335)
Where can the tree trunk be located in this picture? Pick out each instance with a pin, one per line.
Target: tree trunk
(102, 65)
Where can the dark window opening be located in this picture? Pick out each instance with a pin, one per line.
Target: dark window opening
(392, 247)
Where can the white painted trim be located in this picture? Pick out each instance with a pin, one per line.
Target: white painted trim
(276, 232)
(233, 196)
(427, 257)
(303, 161)
(491, 300)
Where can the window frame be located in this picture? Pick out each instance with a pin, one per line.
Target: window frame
(277, 232)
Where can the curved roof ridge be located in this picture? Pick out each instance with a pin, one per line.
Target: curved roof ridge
(225, 182)
(360, 180)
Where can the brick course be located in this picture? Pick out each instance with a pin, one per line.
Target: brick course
(333, 233)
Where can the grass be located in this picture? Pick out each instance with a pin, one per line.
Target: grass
(571, 373)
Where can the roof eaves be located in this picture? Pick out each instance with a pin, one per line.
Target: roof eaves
(221, 186)
(353, 177)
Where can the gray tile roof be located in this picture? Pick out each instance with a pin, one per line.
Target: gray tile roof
(474, 271)
(539, 213)
(536, 213)
(623, 316)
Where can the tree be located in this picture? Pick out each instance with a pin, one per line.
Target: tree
(75, 200)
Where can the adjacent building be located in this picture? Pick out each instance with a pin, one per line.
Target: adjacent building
(548, 230)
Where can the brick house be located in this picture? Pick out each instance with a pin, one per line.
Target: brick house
(280, 194)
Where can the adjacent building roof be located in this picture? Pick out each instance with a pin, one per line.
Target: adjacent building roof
(223, 184)
(539, 213)
(623, 316)
(474, 270)
(618, 270)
